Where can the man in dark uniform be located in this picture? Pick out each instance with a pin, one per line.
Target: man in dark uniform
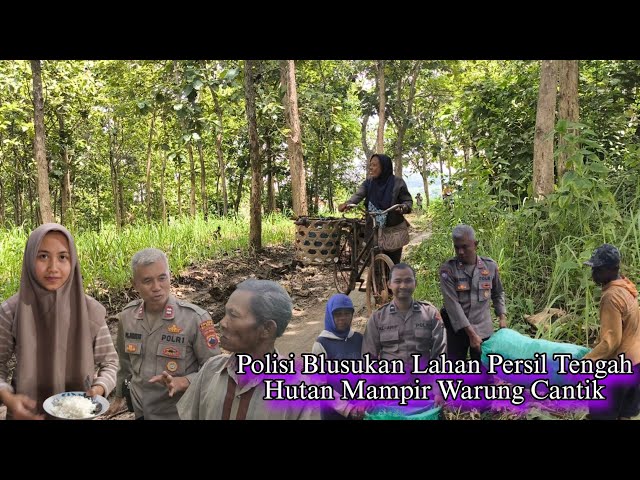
(467, 282)
(162, 341)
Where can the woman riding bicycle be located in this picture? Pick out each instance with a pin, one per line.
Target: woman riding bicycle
(381, 191)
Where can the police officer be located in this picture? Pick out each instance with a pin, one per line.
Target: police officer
(404, 326)
(162, 342)
(467, 282)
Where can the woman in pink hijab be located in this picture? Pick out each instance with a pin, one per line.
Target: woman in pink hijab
(59, 335)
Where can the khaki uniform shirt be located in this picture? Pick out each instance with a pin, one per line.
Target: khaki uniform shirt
(180, 344)
(391, 334)
(466, 297)
(215, 394)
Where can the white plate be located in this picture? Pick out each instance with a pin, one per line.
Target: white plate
(101, 403)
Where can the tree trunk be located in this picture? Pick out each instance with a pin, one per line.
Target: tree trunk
(330, 179)
(294, 140)
(123, 209)
(203, 187)
(365, 147)
(382, 106)
(270, 207)
(403, 123)
(192, 170)
(255, 215)
(179, 180)
(221, 166)
(2, 203)
(65, 184)
(568, 108)
(114, 182)
(543, 140)
(236, 204)
(148, 187)
(425, 184)
(39, 144)
(162, 199)
(30, 197)
(98, 209)
(441, 174)
(17, 213)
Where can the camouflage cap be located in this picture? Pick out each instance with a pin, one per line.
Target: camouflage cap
(604, 256)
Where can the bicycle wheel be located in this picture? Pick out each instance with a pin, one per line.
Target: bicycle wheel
(378, 280)
(343, 272)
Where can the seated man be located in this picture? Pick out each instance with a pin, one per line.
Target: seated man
(257, 312)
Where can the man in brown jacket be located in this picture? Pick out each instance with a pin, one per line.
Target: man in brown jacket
(619, 330)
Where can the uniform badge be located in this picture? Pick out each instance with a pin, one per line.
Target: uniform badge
(140, 311)
(131, 348)
(174, 329)
(486, 294)
(172, 366)
(208, 331)
(168, 311)
(461, 286)
(171, 352)
(485, 272)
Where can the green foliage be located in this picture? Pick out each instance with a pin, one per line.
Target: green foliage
(540, 247)
(105, 256)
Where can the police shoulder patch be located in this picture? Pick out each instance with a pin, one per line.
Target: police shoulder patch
(134, 303)
(208, 331)
(195, 308)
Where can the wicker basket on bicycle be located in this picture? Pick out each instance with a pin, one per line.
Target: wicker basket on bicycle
(317, 240)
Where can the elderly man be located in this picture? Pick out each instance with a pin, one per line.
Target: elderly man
(257, 312)
(161, 341)
(619, 331)
(467, 282)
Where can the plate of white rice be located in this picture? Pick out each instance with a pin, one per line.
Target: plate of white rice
(75, 406)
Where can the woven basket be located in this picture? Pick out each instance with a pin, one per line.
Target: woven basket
(316, 241)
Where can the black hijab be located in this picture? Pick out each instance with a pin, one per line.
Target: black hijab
(380, 190)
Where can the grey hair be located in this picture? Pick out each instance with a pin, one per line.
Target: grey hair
(147, 257)
(463, 231)
(269, 302)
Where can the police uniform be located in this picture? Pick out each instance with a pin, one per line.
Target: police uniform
(466, 301)
(180, 343)
(391, 334)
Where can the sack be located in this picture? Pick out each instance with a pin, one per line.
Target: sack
(394, 238)
(513, 345)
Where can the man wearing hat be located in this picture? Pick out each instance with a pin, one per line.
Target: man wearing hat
(619, 331)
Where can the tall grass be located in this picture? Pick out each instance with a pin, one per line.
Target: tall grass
(105, 256)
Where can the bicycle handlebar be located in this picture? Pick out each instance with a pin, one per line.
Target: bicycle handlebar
(391, 208)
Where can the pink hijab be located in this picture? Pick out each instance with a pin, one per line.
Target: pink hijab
(54, 331)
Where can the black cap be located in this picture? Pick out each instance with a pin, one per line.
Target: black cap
(604, 256)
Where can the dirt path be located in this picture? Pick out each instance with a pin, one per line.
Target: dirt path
(307, 324)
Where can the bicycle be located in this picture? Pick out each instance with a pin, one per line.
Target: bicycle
(353, 257)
